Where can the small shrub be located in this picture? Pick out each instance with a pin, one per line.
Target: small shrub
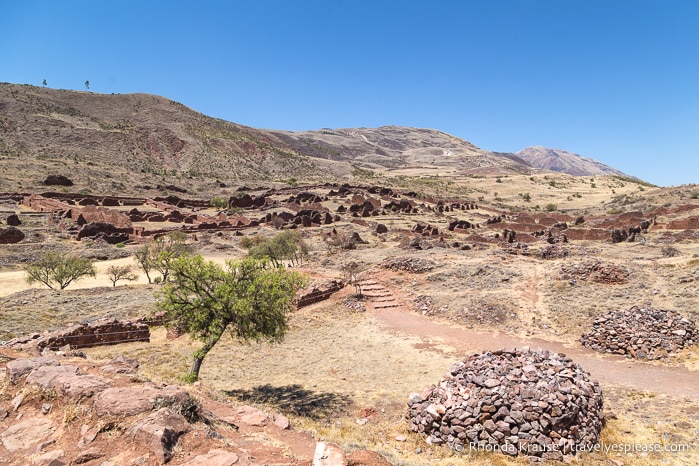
(218, 203)
(120, 245)
(669, 251)
(551, 207)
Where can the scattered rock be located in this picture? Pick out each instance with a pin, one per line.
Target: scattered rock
(408, 264)
(641, 333)
(597, 271)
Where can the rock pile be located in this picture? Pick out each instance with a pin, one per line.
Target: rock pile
(408, 264)
(641, 333)
(596, 271)
(520, 402)
(553, 251)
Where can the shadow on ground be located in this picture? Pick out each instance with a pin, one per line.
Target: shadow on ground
(296, 400)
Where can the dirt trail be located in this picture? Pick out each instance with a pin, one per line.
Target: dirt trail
(607, 369)
(14, 281)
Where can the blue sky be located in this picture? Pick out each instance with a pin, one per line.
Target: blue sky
(614, 80)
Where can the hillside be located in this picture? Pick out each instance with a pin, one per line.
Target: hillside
(565, 162)
(121, 143)
(141, 144)
(396, 148)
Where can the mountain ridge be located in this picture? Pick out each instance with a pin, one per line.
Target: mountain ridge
(131, 141)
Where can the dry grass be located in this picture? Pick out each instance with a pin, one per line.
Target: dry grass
(335, 367)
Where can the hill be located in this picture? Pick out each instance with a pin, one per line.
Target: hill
(123, 143)
(566, 162)
(142, 144)
(399, 147)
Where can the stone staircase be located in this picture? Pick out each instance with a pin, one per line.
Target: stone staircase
(378, 295)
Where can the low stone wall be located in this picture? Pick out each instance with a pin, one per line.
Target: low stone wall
(318, 292)
(97, 333)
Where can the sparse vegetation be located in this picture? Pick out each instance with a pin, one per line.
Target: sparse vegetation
(285, 246)
(57, 271)
(120, 272)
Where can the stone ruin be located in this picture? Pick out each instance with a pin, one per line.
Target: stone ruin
(538, 404)
(408, 264)
(318, 291)
(641, 333)
(100, 332)
(596, 271)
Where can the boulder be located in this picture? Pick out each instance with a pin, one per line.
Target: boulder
(329, 454)
(11, 235)
(26, 434)
(58, 180)
(160, 432)
(215, 457)
(132, 400)
(13, 220)
(19, 367)
(66, 381)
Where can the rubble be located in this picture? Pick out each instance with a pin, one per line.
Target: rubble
(519, 402)
(641, 333)
(596, 271)
(408, 264)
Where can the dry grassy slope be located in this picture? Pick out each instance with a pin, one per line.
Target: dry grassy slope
(115, 143)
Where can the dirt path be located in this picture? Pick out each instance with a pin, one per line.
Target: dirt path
(14, 281)
(607, 369)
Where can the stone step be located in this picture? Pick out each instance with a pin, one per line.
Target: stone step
(372, 287)
(386, 305)
(371, 294)
(384, 299)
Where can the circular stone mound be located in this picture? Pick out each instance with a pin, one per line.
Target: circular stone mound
(518, 402)
(641, 333)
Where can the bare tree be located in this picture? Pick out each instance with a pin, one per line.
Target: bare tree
(120, 272)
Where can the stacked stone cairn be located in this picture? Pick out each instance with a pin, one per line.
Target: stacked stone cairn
(538, 404)
(641, 333)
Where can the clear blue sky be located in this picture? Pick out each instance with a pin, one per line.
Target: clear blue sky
(614, 80)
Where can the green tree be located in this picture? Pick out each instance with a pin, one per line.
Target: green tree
(287, 245)
(87, 85)
(57, 271)
(120, 272)
(218, 203)
(44, 83)
(247, 297)
(160, 253)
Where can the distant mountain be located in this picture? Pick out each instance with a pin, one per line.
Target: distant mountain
(399, 147)
(140, 143)
(558, 160)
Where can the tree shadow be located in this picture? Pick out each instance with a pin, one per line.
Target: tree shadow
(296, 400)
